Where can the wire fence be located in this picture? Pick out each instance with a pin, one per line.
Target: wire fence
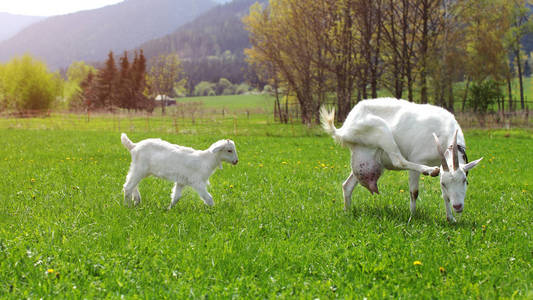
(196, 118)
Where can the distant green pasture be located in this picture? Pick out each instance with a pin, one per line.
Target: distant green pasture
(233, 102)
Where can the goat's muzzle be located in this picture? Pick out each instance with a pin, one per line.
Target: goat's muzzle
(235, 162)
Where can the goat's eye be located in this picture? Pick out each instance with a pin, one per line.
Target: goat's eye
(230, 151)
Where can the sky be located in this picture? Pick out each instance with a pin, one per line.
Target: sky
(50, 7)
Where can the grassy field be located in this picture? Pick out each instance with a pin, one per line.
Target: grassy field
(277, 228)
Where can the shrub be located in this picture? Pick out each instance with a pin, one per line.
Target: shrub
(483, 94)
(28, 85)
(242, 89)
(224, 87)
(204, 88)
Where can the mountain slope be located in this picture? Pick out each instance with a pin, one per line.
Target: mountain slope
(11, 24)
(212, 46)
(89, 35)
(210, 34)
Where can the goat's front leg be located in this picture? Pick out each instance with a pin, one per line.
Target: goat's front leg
(414, 179)
(136, 196)
(347, 189)
(202, 191)
(130, 187)
(176, 195)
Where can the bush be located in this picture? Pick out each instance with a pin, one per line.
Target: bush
(483, 94)
(242, 89)
(268, 89)
(204, 88)
(27, 85)
(224, 87)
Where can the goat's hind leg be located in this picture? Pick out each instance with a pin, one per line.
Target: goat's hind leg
(347, 189)
(414, 179)
(377, 133)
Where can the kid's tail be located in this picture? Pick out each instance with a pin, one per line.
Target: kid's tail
(327, 118)
(126, 142)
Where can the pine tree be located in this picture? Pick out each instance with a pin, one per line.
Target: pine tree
(140, 101)
(124, 87)
(88, 88)
(105, 85)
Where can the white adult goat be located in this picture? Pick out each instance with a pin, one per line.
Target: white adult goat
(397, 135)
(182, 165)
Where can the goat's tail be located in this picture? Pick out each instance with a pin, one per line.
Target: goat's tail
(126, 142)
(327, 118)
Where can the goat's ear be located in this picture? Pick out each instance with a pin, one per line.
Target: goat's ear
(218, 147)
(471, 165)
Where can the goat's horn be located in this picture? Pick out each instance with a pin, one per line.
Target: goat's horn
(455, 152)
(443, 162)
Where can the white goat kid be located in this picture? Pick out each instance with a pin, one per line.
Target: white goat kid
(182, 165)
(394, 134)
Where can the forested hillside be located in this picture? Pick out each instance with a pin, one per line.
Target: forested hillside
(89, 35)
(211, 46)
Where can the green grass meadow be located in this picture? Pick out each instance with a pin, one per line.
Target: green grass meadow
(277, 230)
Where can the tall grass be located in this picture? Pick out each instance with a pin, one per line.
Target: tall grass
(277, 228)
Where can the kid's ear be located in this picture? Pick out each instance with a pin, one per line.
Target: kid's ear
(471, 165)
(218, 147)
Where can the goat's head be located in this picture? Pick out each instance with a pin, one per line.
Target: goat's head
(226, 150)
(453, 173)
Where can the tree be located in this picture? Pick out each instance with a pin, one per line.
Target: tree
(106, 81)
(125, 89)
(520, 25)
(77, 73)
(486, 23)
(165, 75)
(26, 84)
(285, 35)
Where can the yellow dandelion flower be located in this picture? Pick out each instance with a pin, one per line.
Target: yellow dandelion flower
(401, 191)
(442, 270)
(298, 162)
(284, 162)
(32, 180)
(322, 165)
(231, 186)
(417, 263)
(68, 158)
(50, 271)
(260, 165)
